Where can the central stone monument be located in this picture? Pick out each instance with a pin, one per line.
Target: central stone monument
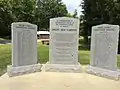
(104, 46)
(63, 49)
(24, 49)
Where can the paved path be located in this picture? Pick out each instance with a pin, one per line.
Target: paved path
(58, 81)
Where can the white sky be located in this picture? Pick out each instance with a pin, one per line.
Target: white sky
(72, 5)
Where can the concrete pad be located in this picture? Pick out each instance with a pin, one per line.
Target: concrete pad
(57, 81)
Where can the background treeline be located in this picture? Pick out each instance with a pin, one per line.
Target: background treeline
(94, 12)
(34, 11)
(97, 12)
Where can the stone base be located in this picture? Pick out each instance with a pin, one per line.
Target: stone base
(63, 68)
(21, 70)
(103, 72)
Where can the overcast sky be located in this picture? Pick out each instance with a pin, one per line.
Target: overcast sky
(72, 5)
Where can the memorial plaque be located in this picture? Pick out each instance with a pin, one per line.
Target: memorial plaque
(24, 44)
(104, 46)
(24, 48)
(64, 34)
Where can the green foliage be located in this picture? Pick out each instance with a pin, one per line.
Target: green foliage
(75, 13)
(47, 9)
(98, 12)
(34, 11)
(23, 10)
(5, 17)
(69, 15)
(81, 28)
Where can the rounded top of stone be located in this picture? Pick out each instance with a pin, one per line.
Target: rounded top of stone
(63, 18)
(105, 25)
(26, 25)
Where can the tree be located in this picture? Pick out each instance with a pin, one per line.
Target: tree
(98, 12)
(69, 15)
(81, 33)
(5, 17)
(75, 14)
(47, 9)
(23, 10)
(34, 11)
(15, 11)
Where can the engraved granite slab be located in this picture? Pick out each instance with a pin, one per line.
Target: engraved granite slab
(24, 45)
(63, 49)
(104, 46)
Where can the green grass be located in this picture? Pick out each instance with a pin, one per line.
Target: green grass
(3, 39)
(43, 53)
(43, 56)
(82, 45)
(5, 57)
(84, 58)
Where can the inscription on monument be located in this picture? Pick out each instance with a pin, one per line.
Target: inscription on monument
(64, 41)
(104, 47)
(24, 49)
(24, 44)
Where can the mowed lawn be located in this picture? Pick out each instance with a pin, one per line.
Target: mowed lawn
(43, 56)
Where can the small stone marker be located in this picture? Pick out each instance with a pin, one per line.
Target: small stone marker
(63, 49)
(24, 49)
(104, 46)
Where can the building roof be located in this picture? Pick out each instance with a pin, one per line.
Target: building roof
(43, 32)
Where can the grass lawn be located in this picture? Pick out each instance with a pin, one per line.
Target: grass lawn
(43, 56)
(2, 39)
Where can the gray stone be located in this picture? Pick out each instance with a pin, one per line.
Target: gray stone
(21, 70)
(24, 48)
(104, 46)
(63, 68)
(63, 49)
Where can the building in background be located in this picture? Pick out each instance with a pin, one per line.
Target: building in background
(43, 37)
(43, 34)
